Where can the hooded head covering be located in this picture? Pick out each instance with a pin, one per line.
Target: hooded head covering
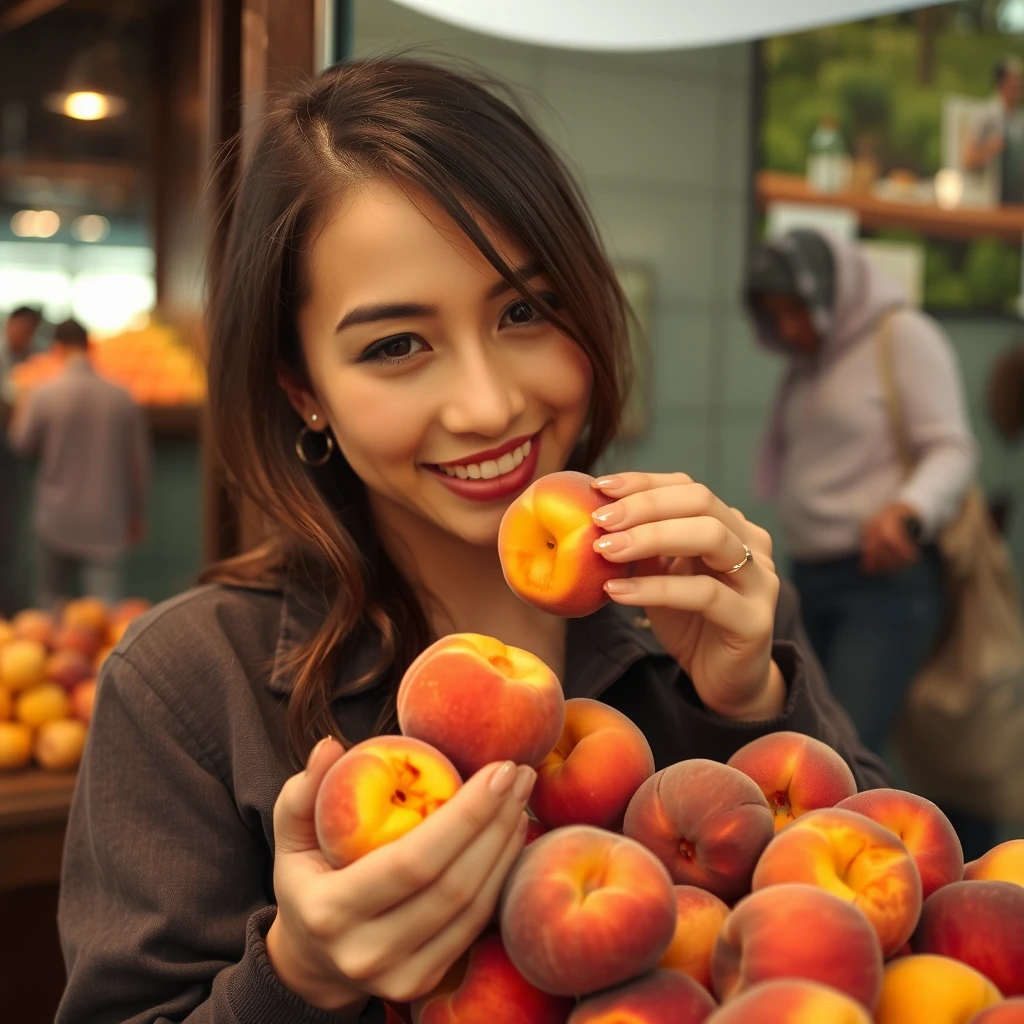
(846, 296)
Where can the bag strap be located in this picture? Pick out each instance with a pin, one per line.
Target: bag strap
(887, 371)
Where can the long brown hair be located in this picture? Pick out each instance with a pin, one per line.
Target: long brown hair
(451, 134)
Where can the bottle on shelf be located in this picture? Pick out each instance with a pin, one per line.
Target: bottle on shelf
(828, 163)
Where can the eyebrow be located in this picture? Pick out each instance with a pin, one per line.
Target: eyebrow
(374, 312)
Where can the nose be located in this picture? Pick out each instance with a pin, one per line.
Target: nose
(482, 395)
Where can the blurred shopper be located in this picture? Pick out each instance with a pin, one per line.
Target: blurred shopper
(996, 140)
(94, 465)
(860, 532)
(19, 331)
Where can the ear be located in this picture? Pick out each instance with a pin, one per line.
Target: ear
(303, 401)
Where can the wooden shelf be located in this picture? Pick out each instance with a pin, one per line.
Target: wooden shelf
(34, 797)
(1006, 222)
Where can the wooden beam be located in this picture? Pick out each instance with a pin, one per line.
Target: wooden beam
(28, 10)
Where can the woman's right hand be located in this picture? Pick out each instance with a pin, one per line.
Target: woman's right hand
(392, 923)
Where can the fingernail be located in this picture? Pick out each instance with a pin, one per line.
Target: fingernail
(609, 515)
(314, 752)
(612, 542)
(502, 779)
(524, 782)
(620, 586)
(608, 483)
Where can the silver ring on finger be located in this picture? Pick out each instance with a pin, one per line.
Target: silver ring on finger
(748, 556)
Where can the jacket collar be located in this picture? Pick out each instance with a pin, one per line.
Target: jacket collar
(599, 648)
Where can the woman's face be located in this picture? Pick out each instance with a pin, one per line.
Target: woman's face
(443, 389)
(791, 321)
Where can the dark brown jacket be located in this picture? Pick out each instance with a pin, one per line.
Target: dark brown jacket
(167, 886)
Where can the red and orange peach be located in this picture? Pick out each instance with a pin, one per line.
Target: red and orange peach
(855, 858)
(1010, 1011)
(707, 822)
(32, 624)
(1003, 863)
(484, 985)
(86, 613)
(546, 545)
(584, 909)
(923, 989)
(378, 791)
(798, 931)
(661, 997)
(22, 664)
(699, 918)
(791, 1001)
(68, 668)
(796, 773)
(925, 831)
(77, 638)
(980, 924)
(599, 761)
(478, 701)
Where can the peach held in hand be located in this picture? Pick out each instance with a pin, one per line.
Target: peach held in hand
(479, 701)
(584, 909)
(791, 1001)
(1003, 863)
(661, 997)
(798, 931)
(379, 790)
(924, 989)
(484, 986)
(546, 545)
(796, 773)
(925, 831)
(598, 763)
(699, 918)
(707, 822)
(980, 924)
(855, 858)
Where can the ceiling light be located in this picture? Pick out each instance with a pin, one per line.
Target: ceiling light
(90, 228)
(94, 86)
(35, 223)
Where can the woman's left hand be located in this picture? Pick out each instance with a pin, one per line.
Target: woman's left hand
(718, 627)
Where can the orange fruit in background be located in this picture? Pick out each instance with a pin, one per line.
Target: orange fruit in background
(6, 704)
(15, 745)
(59, 744)
(42, 704)
(22, 664)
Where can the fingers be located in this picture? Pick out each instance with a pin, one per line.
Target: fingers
(719, 603)
(294, 830)
(395, 872)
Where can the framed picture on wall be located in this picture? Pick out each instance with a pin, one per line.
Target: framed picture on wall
(636, 282)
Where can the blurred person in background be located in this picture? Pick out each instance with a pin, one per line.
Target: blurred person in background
(861, 530)
(996, 140)
(93, 446)
(19, 331)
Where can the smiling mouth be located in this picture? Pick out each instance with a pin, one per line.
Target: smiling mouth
(488, 469)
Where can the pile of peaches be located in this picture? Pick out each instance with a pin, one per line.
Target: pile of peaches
(48, 669)
(765, 890)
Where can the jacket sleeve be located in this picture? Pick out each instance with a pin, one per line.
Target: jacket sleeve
(164, 900)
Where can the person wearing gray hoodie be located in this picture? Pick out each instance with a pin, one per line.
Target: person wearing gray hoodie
(859, 525)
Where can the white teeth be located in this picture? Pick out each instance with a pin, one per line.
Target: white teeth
(492, 467)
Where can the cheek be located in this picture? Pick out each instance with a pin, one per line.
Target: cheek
(563, 379)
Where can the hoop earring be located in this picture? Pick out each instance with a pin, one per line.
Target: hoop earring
(300, 447)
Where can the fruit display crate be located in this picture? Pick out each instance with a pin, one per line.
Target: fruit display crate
(34, 808)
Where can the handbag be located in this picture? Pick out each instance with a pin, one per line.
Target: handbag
(960, 736)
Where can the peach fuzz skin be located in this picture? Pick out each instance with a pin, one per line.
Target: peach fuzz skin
(924, 830)
(478, 701)
(378, 791)
(1010, 1011)
(791, 1001)
(854, 858)
(596, 765)
(796, 773)
(707, 822)
(483, 985)
(699, 918)
(661, 997)
(798, 931)
(546, 546)
(924, 989)
(980, 924)
(584, 909)
(1003, 863)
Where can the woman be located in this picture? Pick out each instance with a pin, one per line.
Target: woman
(859, 525)
(410, 288)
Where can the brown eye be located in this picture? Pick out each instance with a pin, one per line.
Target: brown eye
(396, 348)
(521, 313)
